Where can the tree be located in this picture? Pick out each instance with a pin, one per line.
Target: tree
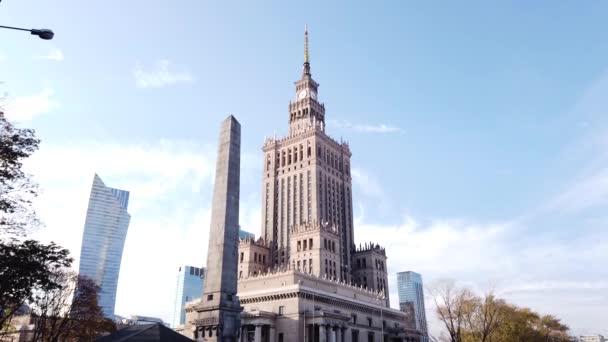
(470, 318)
(17, 190)
(451, 307)
(26, 269)
(484, 316)
(70, 312)
(51, 306)
(86, 314)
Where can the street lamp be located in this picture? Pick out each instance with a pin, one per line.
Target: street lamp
(45, 34)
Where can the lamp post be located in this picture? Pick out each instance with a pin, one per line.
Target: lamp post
(45, 34)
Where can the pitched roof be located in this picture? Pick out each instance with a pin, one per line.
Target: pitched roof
(144, 333)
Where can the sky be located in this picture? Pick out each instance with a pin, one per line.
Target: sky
(479, 131)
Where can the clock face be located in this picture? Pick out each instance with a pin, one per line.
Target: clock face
(302, 94)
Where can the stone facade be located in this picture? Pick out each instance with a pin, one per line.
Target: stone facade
(307, 182)
(292, 305)
(369, 268)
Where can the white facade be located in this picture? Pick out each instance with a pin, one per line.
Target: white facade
(592, 338)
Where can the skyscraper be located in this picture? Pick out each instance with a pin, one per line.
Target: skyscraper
(307, 182)
(411, 298)
(105, 230)
(244, 235)
(190, 285)
(304, 279)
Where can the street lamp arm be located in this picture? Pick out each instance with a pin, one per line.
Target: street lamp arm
(14, 28)
(42, 33)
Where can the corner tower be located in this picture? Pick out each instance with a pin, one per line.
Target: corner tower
(307, 188)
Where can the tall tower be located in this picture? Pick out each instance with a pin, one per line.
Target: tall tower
(105, 231)
(218, 314)
(307, 183)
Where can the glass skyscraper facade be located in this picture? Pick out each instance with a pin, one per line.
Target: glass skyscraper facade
(245, 235)
(411, 299)
(105, 231)
(190, 285)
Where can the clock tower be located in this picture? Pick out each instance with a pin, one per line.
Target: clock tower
(307, 218)
(306, 112)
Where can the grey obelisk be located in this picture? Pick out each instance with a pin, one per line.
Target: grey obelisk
(218, 314)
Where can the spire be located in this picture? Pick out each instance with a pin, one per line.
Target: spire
(305, 44)
(306, 70)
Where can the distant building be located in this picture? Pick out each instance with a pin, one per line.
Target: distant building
(105, 230)
(190, 285)
(243, 235)
(411, 299)
(142, 320)
(592, 338)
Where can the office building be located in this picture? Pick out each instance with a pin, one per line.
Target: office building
(105, 230)
(411, 299)
(592, 338)
(244, 235)
(190, 285)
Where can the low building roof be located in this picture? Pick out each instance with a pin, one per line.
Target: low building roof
(144, 333)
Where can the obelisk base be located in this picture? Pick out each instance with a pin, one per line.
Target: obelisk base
(216, 320)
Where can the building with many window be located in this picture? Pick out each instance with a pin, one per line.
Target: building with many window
(190, 285)
(592, 338)
(411, 299)
(304, 278)
(105, 231)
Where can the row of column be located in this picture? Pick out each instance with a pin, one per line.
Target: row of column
(328, 333)
(258, 336)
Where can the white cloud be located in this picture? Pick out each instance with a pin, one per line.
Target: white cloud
(169, 219)
(2, 58)
(522, 266)
(368, 183)
(25, 108)
(365, 128)
(588, 191)
(171, 188)
(556, 285)
(160, 76)
(54, 54)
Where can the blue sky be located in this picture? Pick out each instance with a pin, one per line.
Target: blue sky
(478, 130)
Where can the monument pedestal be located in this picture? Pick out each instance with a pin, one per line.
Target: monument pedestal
(217, 320)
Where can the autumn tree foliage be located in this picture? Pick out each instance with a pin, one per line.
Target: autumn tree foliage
(71, 312)
(467, 317)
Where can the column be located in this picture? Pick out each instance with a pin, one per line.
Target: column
(322, 334)
(271, 334)
(258, 333)
(244, 330)
(339, 334)
(332, 334)
(348, 336)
